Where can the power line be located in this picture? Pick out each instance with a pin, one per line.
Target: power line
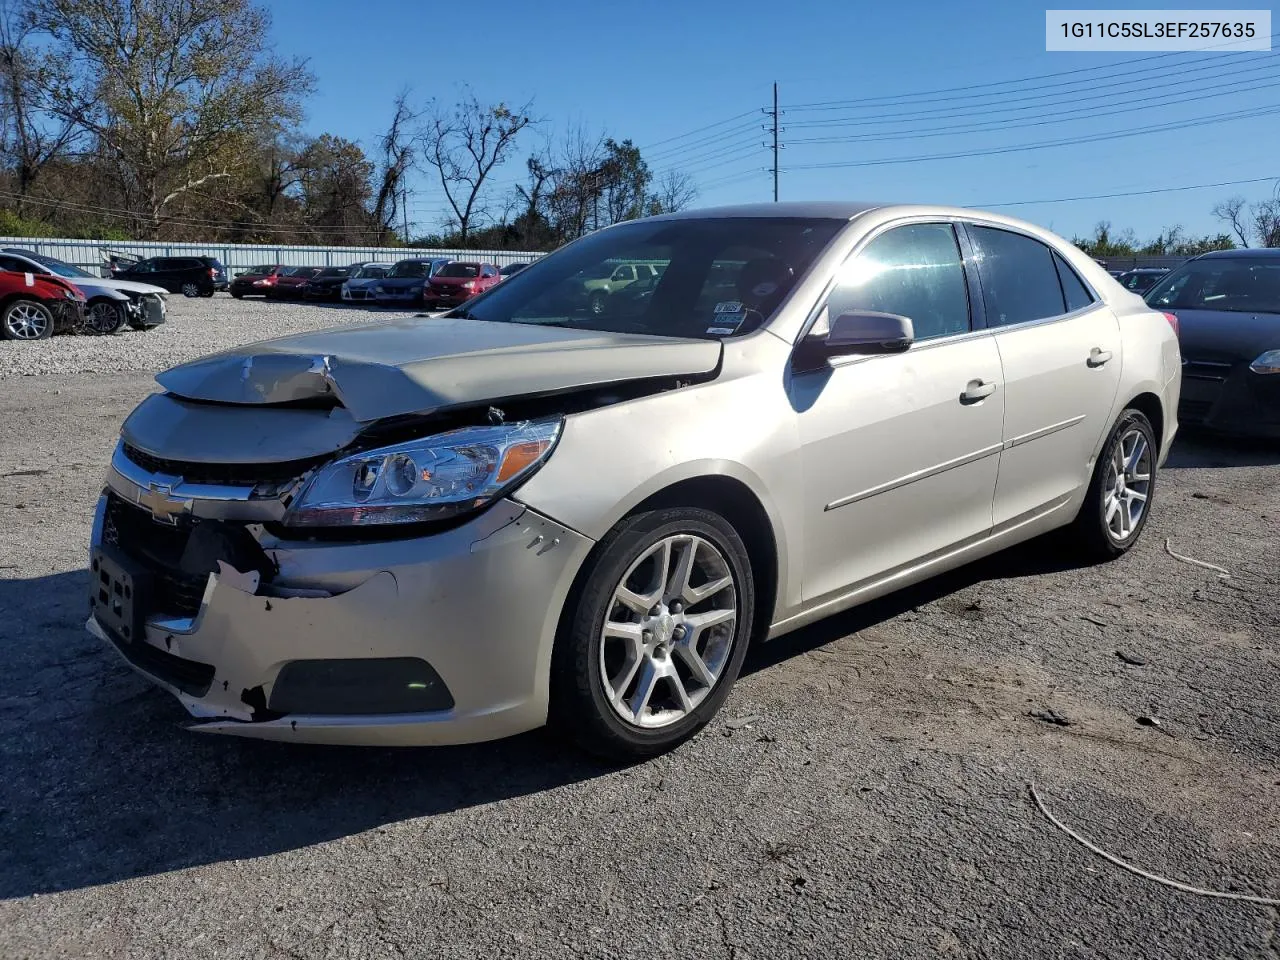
(897, 98)
(698, 144)
(1070, 141)
(710, 126)
(1130, 193)
(1066, 116)
(1049, 100)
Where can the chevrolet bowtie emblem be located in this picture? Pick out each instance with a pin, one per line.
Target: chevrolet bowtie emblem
(164, 506)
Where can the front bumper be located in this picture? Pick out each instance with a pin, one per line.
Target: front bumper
(1229, 398)
(410, 297)
(475, 607)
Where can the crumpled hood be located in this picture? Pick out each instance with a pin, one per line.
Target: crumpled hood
(123, 286)
(422, 365)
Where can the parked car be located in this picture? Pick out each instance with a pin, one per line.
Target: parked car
(1142, 279)
(256, 281)
(190, 276)
(458, 281)
(460, 529)
(111, 303)
(594, 289)
(1228, 309)
(359, 286)
(404, 282)
(35, 306)
(291, 283)
(510, 269)
(327, 284)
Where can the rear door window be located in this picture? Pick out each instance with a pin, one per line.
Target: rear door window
(1019, 279)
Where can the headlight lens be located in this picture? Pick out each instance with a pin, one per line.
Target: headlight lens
(1269, 362)
(428, 479)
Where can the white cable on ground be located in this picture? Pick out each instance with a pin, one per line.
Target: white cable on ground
(1199, 563)
(1185, 888)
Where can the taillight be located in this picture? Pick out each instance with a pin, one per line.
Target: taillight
(1173, 322)
(213, 273)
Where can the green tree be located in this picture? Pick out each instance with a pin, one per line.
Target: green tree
(174, 90)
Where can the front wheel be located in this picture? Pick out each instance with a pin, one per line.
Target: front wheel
(26, 320)
(104, 318)
(190, 290)
(656, 636)
(1116, 507)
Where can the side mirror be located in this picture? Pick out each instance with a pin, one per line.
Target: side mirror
(864, 332)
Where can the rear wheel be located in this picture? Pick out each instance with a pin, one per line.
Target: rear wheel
(1116, 507)
(104, 317)
(656, 636)
(26, 320)
(190, 290)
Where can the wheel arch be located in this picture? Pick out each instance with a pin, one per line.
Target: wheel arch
(1150, 406)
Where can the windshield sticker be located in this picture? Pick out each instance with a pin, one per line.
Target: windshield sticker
(723, 331)
(728, 306)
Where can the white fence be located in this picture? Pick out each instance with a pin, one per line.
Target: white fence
(92, 255)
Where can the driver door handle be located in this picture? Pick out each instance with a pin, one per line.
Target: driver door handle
(1098, 356)
(977, 390)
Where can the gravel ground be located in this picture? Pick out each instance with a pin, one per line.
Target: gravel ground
(194, 328)
(876, 805)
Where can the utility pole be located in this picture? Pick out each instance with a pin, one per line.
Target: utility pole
(773, 128)
(404, 203)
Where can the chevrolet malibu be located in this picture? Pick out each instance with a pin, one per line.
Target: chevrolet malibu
(452, 529)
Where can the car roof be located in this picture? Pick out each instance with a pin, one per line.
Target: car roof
(1247, 253)
(837, 209)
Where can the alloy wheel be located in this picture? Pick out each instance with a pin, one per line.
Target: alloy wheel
(190, 290)
(28, 321)
(1127, 485)
(669, 631)
(103, 318)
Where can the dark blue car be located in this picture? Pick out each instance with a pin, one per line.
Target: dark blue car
(402, 286)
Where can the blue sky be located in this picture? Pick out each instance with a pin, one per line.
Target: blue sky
(661, 69)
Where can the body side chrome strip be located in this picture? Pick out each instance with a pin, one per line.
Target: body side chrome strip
(917, 475)
(1042, 432)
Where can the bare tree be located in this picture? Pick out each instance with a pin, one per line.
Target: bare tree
(395, 160)
(1232, 212)
(1266, 221)
(673, 192)
(464, 145)
(32, 137)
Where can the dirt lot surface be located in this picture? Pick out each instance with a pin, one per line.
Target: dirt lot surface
(864, 793)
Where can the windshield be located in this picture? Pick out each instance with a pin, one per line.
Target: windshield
(334, 272)
(409, 268)
(459, 270)
(370, 273)
(259, 271)
(704, 277)
(1237, 285)
(58, 267)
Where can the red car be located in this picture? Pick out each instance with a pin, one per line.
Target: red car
(289, 282)
(33, 306)
(458, 281)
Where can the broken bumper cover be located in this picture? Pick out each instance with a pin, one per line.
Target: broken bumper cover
(439, 639)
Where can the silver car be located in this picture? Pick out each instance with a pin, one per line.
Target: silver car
(444, 530)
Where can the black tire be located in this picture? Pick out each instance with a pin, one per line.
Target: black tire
(103, 318)
(1091, 532)
(579, 708)
(238, 296)
(598, 304)
(190, 290)
(14, 327)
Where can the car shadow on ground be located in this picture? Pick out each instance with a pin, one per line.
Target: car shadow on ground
(1196, 449)
(103, 782)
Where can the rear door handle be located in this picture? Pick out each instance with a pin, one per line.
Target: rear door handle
(1098, 356)
(977, 390)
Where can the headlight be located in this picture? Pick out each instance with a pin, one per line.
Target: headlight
(1269, 362)
(428, 479)
(69, 294)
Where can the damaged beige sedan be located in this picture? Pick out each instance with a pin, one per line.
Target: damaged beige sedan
(436, 530)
